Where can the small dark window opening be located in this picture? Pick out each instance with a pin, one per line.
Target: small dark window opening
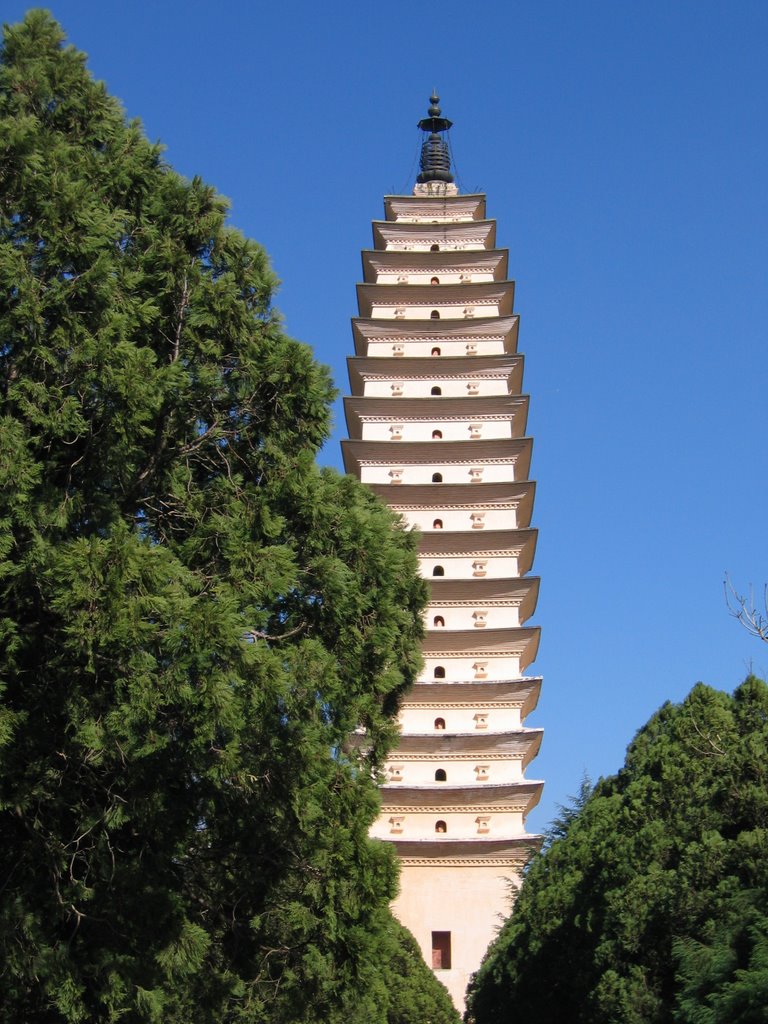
(435, 280)
(438, 621)
(434, 248)
(436, 390)
(441, 951)
(440, 723)
(435, 314)
(440, 775)
(438, 571)
(436, 352)
(439, 672)
(437, 435)
(440, 826)
(438, 524)
(437, 478)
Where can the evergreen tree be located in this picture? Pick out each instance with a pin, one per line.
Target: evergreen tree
(193, 618)
(652, 905)
(399, 987)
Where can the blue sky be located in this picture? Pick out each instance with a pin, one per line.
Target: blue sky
(623, 148)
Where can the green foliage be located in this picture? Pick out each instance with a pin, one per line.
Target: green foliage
(413, 996)
(651, 905)
(194, 618)
(399, 988)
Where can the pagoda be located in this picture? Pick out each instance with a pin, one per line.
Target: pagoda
(436, 425)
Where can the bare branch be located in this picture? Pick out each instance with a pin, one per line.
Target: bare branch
(180, 322)
(743, 608)
(257, 634)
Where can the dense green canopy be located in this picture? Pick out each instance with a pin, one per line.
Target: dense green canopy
(652, 906)
(194, 619)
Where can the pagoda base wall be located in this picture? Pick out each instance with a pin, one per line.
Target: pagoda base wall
(470, 902)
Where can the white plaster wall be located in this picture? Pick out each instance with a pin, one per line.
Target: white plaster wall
(452, 474)
(425, 277)
(464, 772)
(436, 218)
(459, 388)
(468, 902)
(459, 519)
(463, 568)
(412, 311)
(459, 824)
(462, 669)
(454, 430)
(490, 347)
(506, 617)
(422, 720)
(425, 245)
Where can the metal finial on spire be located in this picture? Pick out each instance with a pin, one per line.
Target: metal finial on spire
(434, 123)
(435, 162)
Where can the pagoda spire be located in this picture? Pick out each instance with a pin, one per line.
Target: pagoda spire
(435, 162)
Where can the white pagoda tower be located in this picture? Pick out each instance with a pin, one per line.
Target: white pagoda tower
(436, 424)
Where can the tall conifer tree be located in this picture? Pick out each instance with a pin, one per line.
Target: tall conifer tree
(193, 618)
(650, 906)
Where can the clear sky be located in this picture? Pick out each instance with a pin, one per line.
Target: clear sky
(623, 147)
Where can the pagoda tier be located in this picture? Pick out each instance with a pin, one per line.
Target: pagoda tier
(513, 853)
(518, 694)
(461, 377)
(445, 210)
(519, 642)
(491, 542)
(398, 266)
(450, 301)
(456, 462)
(508, 602)
(523, 745)
(466, 654)
(507, 504)
(463, 812)
(437, 424)
(404, 236)
(465, 336)
(492, 417)
(493, 706)
(501, 796)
